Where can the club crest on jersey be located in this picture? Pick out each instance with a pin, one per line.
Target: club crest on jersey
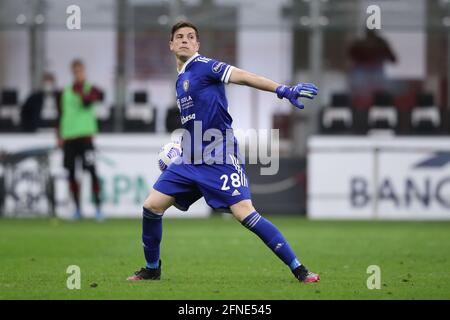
(217, 67)
(186, 85)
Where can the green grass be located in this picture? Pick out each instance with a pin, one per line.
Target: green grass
(217, 258)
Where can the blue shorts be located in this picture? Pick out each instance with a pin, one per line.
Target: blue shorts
(222, 185)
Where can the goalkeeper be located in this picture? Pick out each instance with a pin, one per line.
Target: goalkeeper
(201, 98)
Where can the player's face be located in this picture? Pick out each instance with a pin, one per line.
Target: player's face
(184, 43)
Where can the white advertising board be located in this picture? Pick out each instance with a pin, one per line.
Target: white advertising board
(414, 185)
(378, 178)
(126, 164)
(329, 182)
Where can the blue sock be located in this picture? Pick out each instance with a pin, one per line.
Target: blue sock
(272, 237)
(151, 237)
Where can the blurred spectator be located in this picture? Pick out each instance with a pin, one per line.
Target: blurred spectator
(47, 95)
(77, 128)
(367, 57)
(173, 120)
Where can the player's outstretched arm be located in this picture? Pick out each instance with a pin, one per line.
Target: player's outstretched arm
(301, 90)
(242, 77)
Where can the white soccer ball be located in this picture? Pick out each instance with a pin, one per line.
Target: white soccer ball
(168, 154)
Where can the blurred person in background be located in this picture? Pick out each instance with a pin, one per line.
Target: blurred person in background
(367, 58)
(76, 131)
(47, 97)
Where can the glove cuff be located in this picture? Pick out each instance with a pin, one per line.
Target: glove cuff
(281, 90)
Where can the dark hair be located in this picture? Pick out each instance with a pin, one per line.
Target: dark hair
(77, 62)
(184, 24)
(48, 76)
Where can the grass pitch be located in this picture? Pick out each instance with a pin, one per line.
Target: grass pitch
(217, 258)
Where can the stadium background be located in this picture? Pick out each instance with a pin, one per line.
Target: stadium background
(373, 145)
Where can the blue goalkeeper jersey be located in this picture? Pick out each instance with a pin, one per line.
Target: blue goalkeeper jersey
(203, 106)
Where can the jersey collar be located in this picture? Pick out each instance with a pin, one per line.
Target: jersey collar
(187, 62)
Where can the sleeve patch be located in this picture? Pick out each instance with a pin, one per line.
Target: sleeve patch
(217, 67)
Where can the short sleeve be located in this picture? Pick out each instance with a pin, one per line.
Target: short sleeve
(219, 71)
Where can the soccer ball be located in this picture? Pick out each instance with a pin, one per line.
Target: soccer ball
(167, 154)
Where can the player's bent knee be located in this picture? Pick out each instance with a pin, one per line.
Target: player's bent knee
(158, 202)
(242, 209)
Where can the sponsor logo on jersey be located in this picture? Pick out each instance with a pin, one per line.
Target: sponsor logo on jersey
(185, 102)
(186, 99)
(235, 193)
(186, 85)
(187, 118)
(217, 67)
